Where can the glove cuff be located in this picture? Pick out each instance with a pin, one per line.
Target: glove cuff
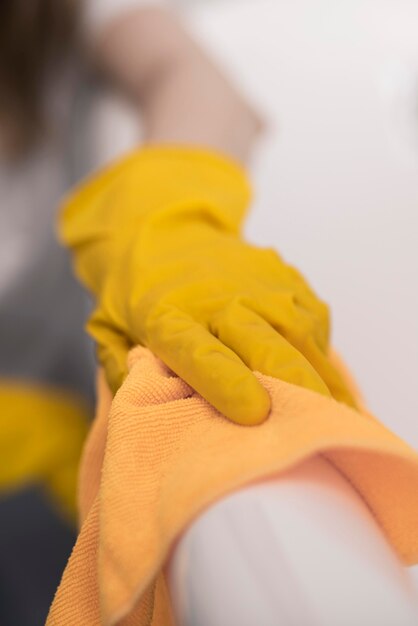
(150, 183)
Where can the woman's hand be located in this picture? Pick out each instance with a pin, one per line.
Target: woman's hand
(157, 238)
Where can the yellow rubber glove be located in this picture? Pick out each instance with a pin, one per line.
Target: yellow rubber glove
(157, 238)
(41, 436)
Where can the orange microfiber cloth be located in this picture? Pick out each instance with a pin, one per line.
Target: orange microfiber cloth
(161, 454)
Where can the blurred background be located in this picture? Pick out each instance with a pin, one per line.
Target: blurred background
(335, 181)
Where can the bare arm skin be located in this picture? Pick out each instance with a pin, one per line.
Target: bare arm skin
(184, 98)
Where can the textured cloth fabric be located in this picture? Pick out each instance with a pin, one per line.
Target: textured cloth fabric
(159, 454)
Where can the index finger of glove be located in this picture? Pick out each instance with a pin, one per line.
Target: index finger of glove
(211, 368)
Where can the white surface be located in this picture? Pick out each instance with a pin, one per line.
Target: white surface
(299, 550)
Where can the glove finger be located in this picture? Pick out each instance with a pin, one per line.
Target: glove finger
(210, 367)
(328, 372)
(263, 349)
(279, 274)
(309, 334)
(293, 321)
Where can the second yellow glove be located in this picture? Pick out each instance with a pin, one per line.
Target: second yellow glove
(42, 432)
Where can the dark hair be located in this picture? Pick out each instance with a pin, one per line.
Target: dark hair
(34, 35)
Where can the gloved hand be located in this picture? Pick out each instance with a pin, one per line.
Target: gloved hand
(41, 436)
(157, 239)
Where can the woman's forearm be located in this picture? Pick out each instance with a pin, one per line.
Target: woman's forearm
(183, 96)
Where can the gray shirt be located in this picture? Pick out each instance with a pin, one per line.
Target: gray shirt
(42, 307)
